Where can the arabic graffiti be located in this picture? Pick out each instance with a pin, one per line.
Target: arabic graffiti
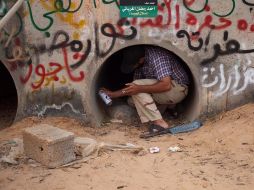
(246, 2)
(183, 33)
(45, 77)
(207, 8)
(111, 34)
(66, 16)
(107, 2)
(56, 7)
(232, 82)
(60, 40)
(55, 43)
(159, 21)
(59, 8)
(45, 74)
(172, 16)
(231, 47)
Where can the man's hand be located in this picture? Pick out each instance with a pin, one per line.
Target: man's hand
(114, 94)
(132, 89)
(108, 92)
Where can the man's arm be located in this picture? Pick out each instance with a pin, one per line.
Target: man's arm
(161, 86)
(114, 94)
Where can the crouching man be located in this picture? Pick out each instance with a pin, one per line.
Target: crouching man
(159, 78)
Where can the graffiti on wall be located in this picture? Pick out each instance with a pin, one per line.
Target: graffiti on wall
(235, 81)
(45, 73)
(66, 40)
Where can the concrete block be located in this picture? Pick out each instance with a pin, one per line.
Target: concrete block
(49, 145)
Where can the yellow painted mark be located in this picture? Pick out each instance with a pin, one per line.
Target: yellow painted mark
(69, 18)
(76, 36)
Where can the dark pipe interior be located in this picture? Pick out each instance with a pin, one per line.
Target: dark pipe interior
(111, 77)
(8, 98)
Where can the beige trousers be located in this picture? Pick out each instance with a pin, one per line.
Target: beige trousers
(146, 103)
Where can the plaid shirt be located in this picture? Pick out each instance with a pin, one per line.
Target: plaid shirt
(160, 63)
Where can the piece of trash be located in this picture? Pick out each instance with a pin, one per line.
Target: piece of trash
(154, 150)
(174, 149)
(130, 145)
(16, 152)
(90, 148)
(116, 121)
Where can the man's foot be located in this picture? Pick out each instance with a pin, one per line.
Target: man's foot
(154, 130)
(161, 123)
(158, 127)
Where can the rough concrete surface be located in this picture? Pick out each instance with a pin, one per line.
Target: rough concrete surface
(55, 60)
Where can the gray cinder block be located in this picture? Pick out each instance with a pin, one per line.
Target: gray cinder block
(49, 145)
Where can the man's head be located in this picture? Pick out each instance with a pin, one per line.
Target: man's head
(133, 57)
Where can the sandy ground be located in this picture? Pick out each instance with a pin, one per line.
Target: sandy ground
(220, 156)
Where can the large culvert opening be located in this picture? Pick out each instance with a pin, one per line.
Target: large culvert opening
(8, 98)
(110, 76)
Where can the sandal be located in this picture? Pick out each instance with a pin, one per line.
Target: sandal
(154, 130)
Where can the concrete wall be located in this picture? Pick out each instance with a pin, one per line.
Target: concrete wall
(54, 48)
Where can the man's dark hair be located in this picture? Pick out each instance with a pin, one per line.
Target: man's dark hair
(131, 56)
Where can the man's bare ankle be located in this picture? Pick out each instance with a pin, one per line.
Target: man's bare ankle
(161, 123)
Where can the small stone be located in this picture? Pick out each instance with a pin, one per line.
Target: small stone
(238, 117)
(205, 185)
(123, 112)
(76, 166)
(34, 165)
(11, 178)
(240, 184)
(46, 174)
(121, 186)
(31, 161)
(142, 153)
(33, 177)
(41, 179)
(9, 160)
(116, 121)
